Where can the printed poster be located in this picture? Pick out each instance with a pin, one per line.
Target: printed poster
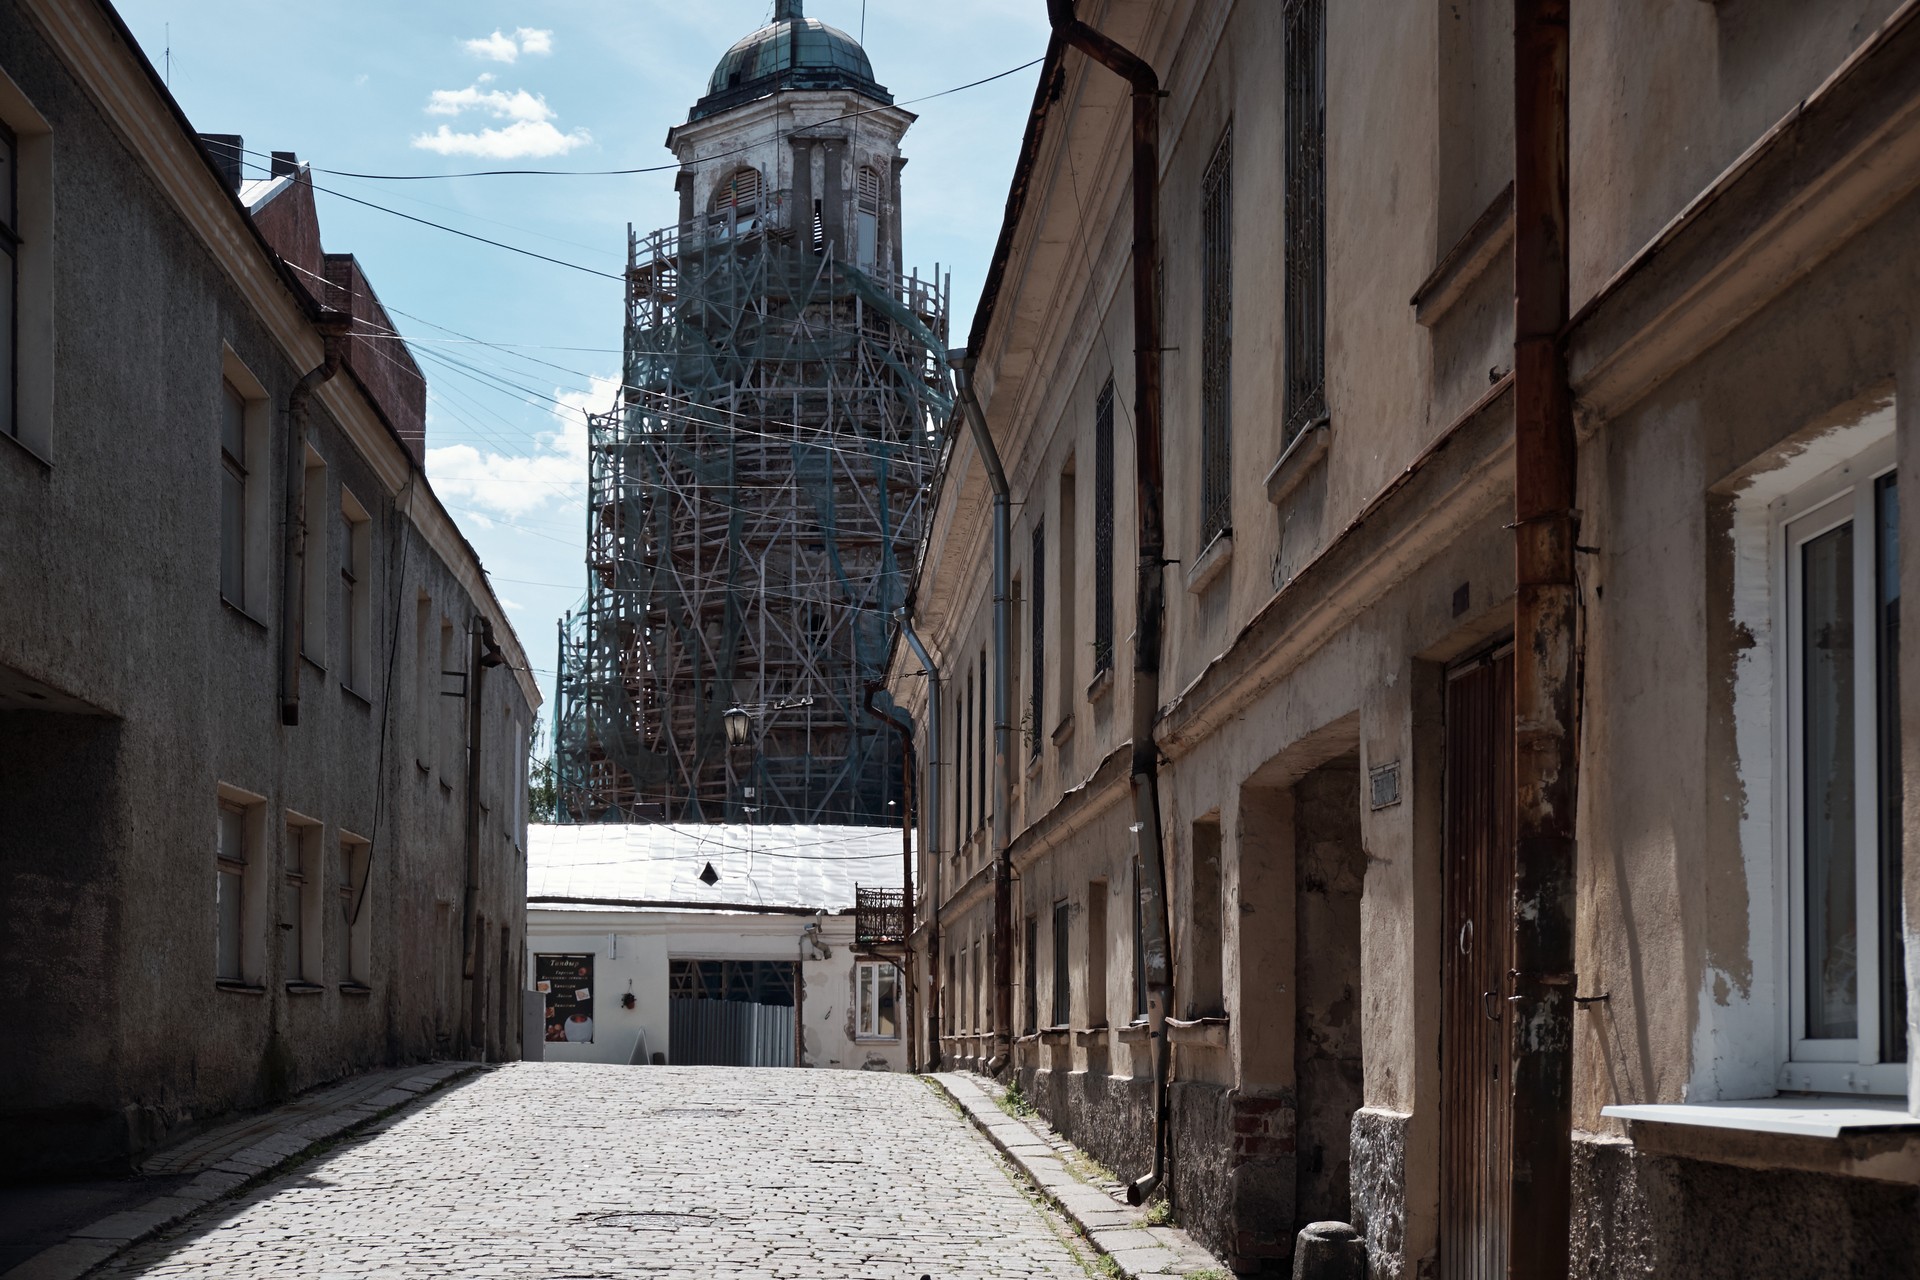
(567, 983)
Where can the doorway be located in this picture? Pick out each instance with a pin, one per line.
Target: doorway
(1477, 892)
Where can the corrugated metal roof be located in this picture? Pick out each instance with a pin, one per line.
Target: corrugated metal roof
(774, 866)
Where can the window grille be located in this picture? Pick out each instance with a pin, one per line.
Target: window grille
(1306, 205)
(1038, 692)
(1103, 530)
(1216, 342)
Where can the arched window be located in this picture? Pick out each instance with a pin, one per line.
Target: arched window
(738, 196)
(866, 190)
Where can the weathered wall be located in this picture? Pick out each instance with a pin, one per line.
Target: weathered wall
(116, 1034)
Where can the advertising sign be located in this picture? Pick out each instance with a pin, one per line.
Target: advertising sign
(567, 984)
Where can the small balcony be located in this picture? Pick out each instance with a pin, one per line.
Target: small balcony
(881, 918)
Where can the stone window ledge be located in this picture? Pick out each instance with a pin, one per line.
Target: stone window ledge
(1134, 1033)
(1198, 1031)
(1101, 684)
(1806, 1116)
(1298, 459)
(304, 988)
(1212, 563)
(1090, 1035)
(241, 988)
(355, 989)
(1054, 1035)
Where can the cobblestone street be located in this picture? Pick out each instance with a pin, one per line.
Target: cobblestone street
(571, 1171)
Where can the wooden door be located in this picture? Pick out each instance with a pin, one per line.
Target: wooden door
(1478, 887)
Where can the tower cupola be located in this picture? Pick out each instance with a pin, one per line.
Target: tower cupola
(791, 52)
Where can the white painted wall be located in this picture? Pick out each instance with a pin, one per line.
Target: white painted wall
(631, 949)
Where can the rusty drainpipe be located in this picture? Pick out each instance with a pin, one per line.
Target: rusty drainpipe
(1545, 604)
(1150, 588)
(333, 327)
(931, 855)
(962, 363)
(483, 653)
(904, 728)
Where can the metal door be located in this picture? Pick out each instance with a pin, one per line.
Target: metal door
(1478, 887)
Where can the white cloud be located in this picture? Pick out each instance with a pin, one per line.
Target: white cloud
(505, 48)
(506, 486)
(519, 140)
(530, 133)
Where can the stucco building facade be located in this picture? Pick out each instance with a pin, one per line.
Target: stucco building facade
(1334, 723)
(262, 720)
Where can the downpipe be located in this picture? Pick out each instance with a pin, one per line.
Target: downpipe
(1546, 732)
(962, 363)
(334, 327)
(483, 653)
(932, 861)
(1150, 586)
(903, 727)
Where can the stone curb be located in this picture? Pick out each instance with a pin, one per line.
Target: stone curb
(98, 1242)
(1120, 1231)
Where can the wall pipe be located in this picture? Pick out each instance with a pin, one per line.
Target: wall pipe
(962, 363)
(903, 726)
(482, 654)
(932, 861)
(333, 327)
(1150, 582)
(1546, 736)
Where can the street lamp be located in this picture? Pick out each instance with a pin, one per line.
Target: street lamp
(739, 725)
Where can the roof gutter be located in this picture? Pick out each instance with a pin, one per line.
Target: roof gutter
(1150, 580)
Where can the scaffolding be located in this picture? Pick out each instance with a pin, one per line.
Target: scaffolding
(754, 500)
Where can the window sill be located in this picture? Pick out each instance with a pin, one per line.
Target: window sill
(876, 1039)
(1134, 1033)
(365, 702)
(1805, 1116)
(1055, 1035)
(1102, 683)
(1210, 1032)
(231, 607)
(1090, 1035)
(240, 988)
(1063, 730)
(1033, 766)
(46, 463)
(1298, 460)
(304, 988)
(1212, 562)
(355, 989)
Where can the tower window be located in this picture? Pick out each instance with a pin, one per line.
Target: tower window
(867, 214)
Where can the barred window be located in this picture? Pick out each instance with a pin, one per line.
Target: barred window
(1216, 342)
(1037, 693)
(1306, 203)
(1103, 530)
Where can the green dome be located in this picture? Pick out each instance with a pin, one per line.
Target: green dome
(791, 52)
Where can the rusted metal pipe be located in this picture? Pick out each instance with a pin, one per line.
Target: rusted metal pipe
(483, 653)
(1540, 1026)
(931, 855)
(333, 327)
(1002, 718)
(1150, 582)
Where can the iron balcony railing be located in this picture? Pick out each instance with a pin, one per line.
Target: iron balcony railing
(880, 917)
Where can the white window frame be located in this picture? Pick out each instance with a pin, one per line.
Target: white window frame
(867, 975)
(301, 871)
(355, 891)
(1842, 494)
(356, 595)
(249, 943)
(314, 560)
(256, 560)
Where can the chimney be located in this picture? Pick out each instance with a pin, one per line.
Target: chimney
(285, 164)
(226, 150)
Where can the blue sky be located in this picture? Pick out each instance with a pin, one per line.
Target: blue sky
(433, 86)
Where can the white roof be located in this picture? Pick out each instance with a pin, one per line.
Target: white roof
(660, 864)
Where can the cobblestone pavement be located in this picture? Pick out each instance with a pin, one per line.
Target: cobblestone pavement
(565, 1171)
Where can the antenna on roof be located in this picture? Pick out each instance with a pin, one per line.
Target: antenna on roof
(169, 55)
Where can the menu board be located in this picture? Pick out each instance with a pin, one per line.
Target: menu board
(567, 984)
